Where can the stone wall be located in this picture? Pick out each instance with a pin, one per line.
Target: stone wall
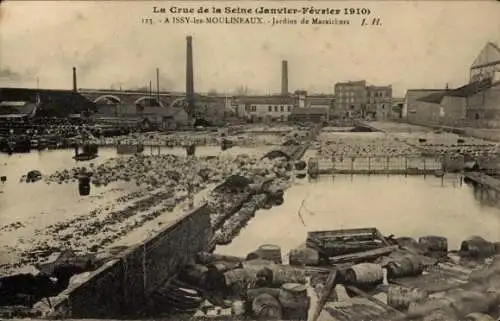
(121, 286)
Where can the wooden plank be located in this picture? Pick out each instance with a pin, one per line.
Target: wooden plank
(372, 299)
(361, 256)
(329, 286)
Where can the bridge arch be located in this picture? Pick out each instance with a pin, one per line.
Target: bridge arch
(176, 101)
(148, 98)
(110, 98)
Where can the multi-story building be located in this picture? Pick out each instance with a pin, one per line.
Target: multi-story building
(266, 108)
(350, 98)
(356, 99)
(378, 102)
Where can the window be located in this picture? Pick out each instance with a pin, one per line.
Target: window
(282, 108)
(383, 106)
(276, 108)
(289, 108)
(254, 108)
(270, 108)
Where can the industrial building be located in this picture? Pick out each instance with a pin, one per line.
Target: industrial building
(266, 108)
(286, 106)
(476, 104)
(356, 99)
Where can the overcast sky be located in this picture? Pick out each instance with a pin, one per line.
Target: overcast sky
(420, 45)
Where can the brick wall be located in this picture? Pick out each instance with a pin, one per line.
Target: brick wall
(121, 286)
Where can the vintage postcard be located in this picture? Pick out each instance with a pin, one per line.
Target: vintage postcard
(250, 160)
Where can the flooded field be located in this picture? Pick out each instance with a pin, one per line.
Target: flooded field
(29, 208)
(404, 206)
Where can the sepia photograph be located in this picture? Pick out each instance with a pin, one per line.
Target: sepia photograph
(250, 160)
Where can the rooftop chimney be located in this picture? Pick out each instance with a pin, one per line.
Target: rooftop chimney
(75, 88)
(284, 78)
(189, 75)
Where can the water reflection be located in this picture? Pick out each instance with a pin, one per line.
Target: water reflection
(46, 204)
(410, 206)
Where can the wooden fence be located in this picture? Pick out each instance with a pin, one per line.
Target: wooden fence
(374, 165)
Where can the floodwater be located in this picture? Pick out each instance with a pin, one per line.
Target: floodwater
(404, 206)
(37, 205)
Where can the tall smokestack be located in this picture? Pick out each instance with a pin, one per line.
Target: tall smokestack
(189, 75)
(284, 78)
(158, 84)
(75, 88)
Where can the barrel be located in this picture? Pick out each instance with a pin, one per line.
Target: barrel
(303, 256)
(477, 247)
(238, 308)
(408, 265)
(270, 252)
(407, 242)
(84, 185)
(300, 165)
(400, 298)
(265, 307)
(434, 244)
(293, 295)
(478, 317)
(288, 274)
(365, 274)
(294, 301)
(190, 150)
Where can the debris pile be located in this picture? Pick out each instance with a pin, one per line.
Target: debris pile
(355, 274)
(352, 145)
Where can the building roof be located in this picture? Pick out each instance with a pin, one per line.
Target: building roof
(464, 91)
(375, 87)
(414, 95)
(470, 89)
(352, 83)
(266, 100)
(62, 102)
(489, 55)
(310, 111)
(434, 98)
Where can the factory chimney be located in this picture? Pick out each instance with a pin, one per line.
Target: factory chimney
(189, 75)
(75, 88)
(284, 78)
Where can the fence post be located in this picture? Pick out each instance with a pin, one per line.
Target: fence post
(387, 163)
(352, 164)
(424, 166)
(369, 164)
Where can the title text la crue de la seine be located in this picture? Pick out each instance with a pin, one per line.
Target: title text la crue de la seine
(310, 10)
